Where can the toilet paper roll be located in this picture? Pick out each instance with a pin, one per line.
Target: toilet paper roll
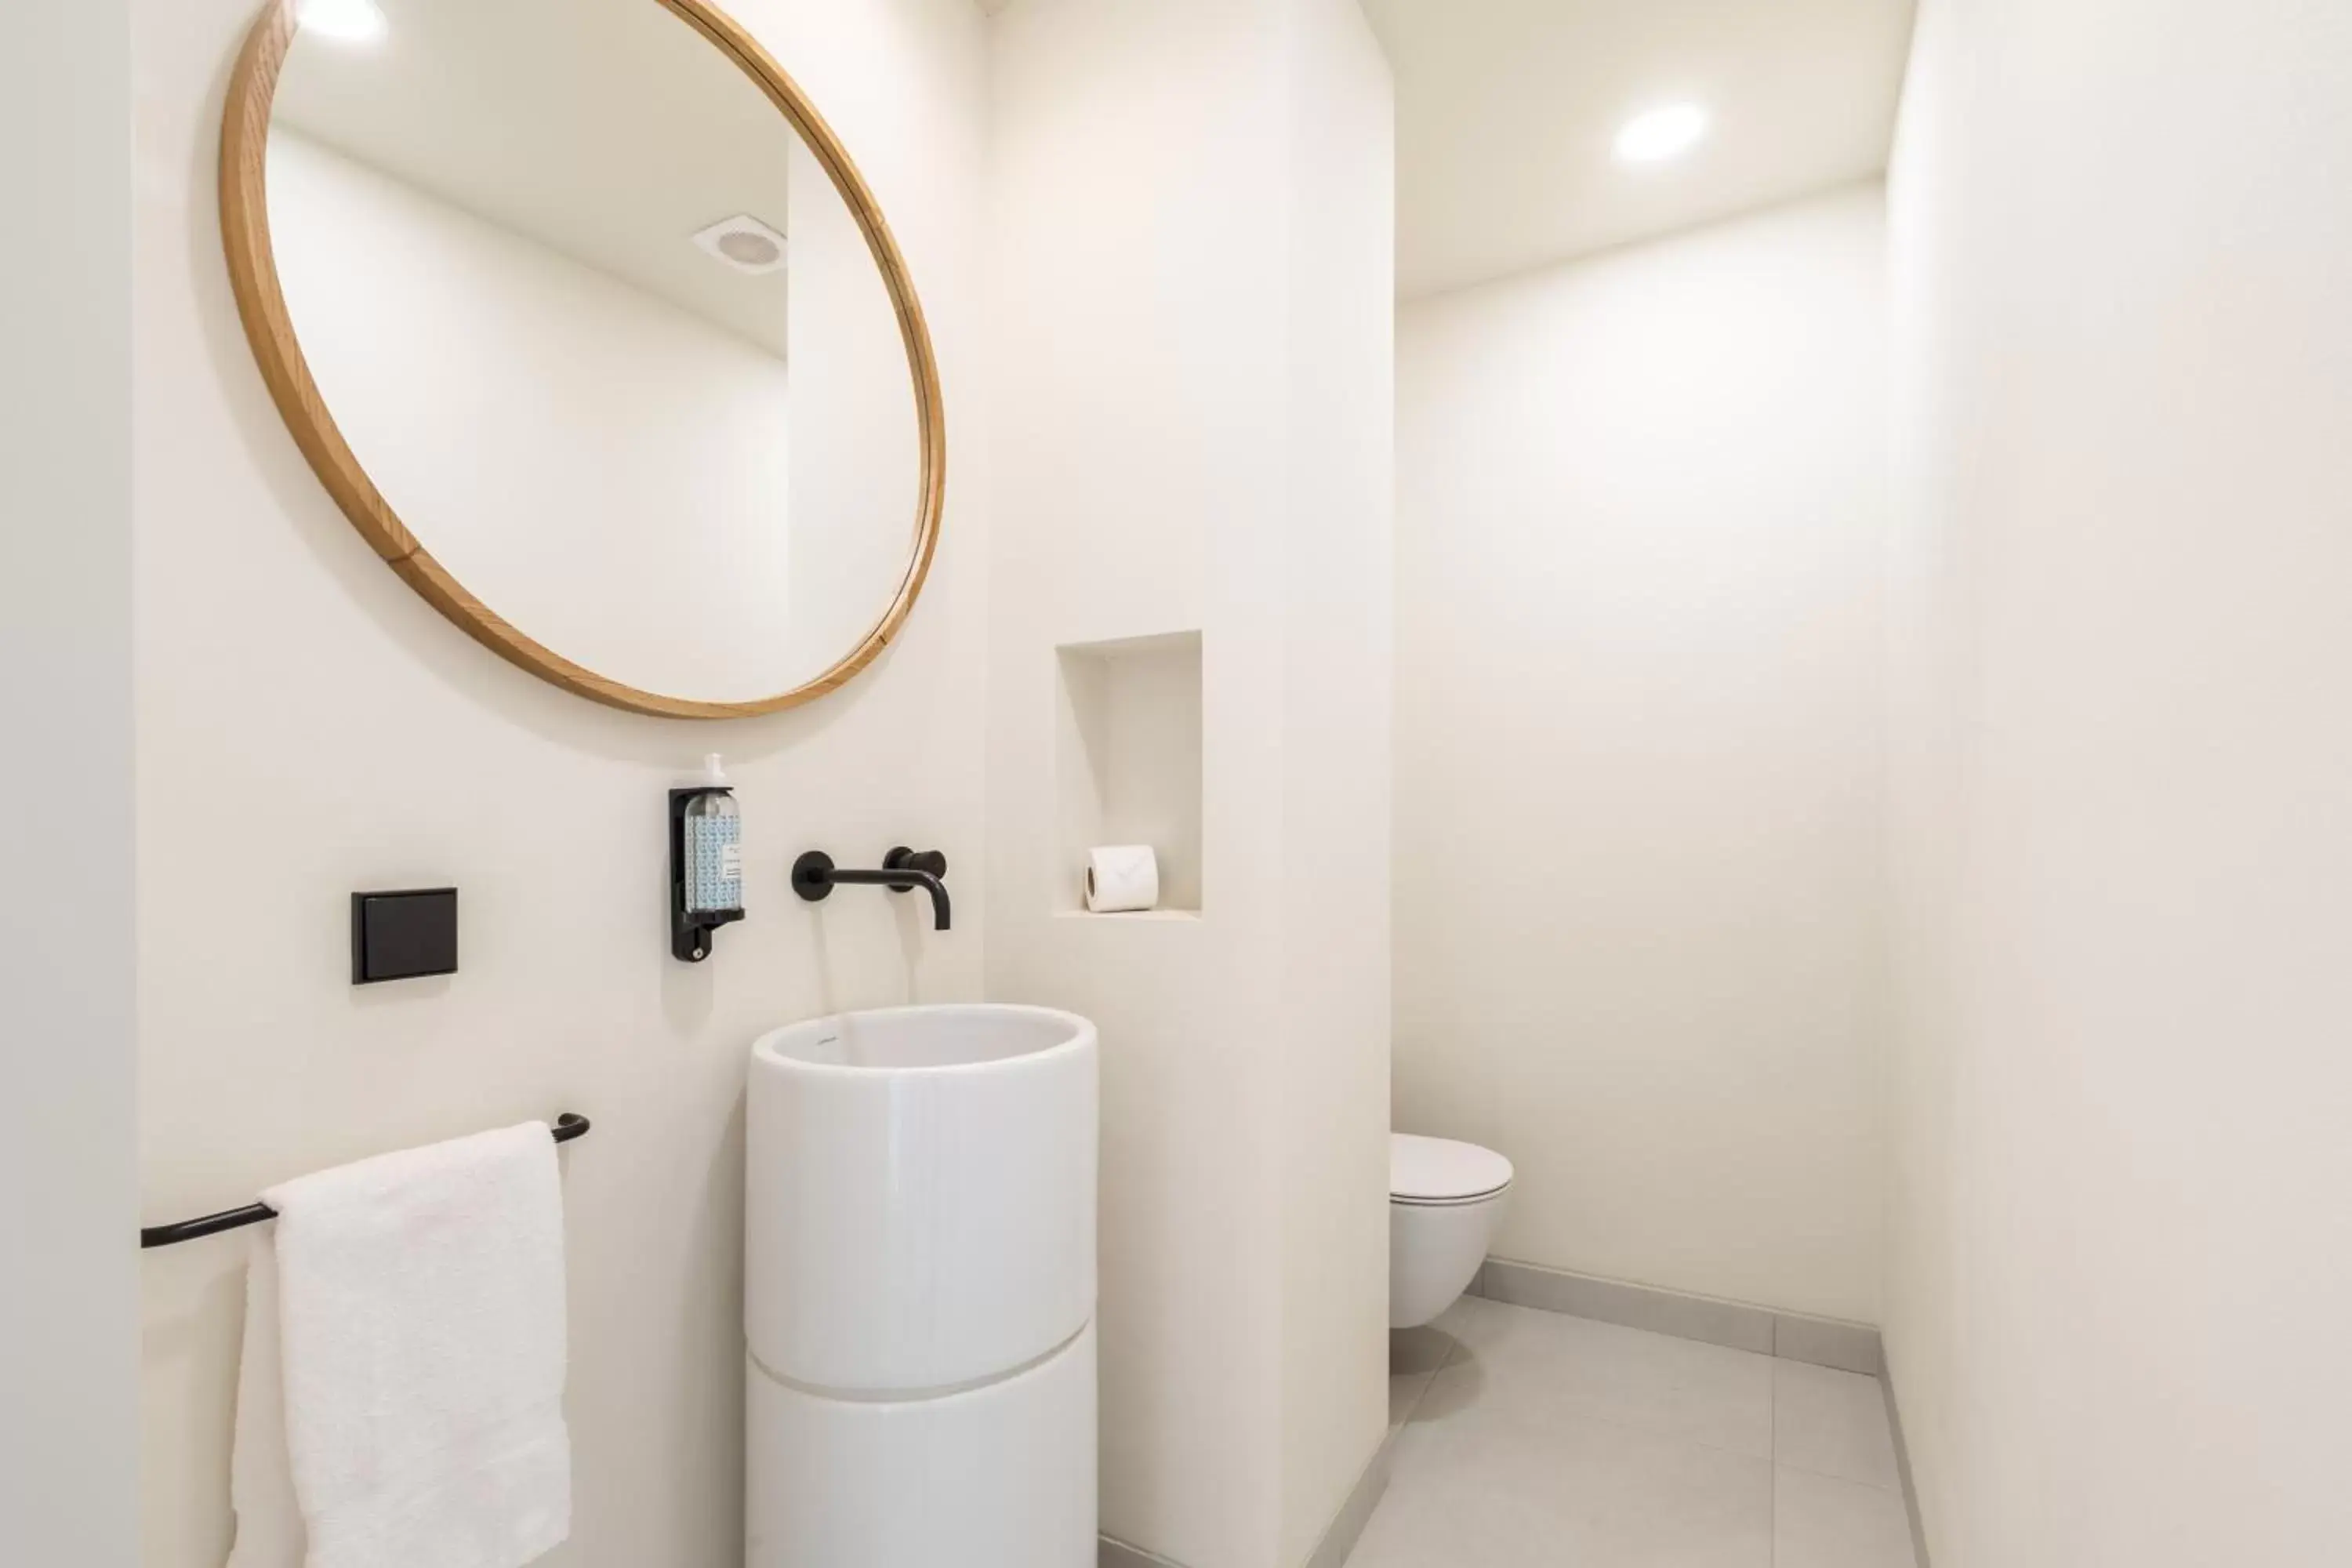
(1121, 878)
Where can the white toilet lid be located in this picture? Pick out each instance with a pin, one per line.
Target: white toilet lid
(1438, 1170)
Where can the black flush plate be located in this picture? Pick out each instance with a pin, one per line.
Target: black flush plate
(400, 936)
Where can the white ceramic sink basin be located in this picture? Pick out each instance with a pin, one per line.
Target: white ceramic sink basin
(920, 1215)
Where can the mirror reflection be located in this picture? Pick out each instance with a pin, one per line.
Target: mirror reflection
(599, 327)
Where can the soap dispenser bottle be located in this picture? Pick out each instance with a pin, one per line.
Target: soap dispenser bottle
(706, 861)
(714, 845)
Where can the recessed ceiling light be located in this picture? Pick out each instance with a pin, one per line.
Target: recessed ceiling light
(346, 21)
(1661, 134)
(744, 243)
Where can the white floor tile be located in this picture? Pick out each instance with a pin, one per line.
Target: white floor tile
(1832, 1424)
(1540, 1440)
(1422, 1350)
(1820, 1521)
(1414, 1357)
(1405, 1389)
(1546, 1366)
(1476, 1486)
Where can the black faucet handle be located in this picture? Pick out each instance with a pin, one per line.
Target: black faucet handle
(929, 861)
(815, 877)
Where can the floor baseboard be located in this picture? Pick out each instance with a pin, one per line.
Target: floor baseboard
(1902, 1468)
(1347, 1526)
(1793, 1336)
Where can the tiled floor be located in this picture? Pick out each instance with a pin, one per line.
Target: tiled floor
(1534, 1440)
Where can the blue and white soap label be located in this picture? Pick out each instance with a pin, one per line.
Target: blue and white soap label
(714, 863)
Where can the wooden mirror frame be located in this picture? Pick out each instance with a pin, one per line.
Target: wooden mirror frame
(262, 302)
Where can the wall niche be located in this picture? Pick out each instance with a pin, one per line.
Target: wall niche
(1127, 763)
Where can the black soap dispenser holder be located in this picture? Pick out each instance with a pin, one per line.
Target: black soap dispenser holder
(706, 863)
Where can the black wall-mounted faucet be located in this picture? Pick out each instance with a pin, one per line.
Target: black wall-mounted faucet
(815, 877)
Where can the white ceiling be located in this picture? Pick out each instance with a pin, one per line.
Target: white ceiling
(607, 129)
(610, 130)
(1507, 110)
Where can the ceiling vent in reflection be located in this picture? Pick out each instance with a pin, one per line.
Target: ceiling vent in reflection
(744, 243)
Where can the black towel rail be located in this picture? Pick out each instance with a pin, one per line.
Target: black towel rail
(567, 1127)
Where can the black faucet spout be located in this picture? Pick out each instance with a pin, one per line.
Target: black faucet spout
(933, 886)
(815, 877)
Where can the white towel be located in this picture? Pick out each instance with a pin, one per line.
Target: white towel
(404, 1365)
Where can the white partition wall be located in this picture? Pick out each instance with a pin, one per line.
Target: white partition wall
(1191, 434)
(69, 1411)
(2121, 1259)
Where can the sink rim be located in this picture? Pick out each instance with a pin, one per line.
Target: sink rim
(1082, 1039)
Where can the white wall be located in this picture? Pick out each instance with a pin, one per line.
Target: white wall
(2123, 1253)
(1639, 943)
(1191, 303)
(622, 495)
(1338, 616)
(308, 726)
(69, 1305)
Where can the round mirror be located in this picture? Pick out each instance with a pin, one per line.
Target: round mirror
(590, 326)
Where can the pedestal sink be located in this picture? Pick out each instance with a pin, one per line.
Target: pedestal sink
(919, 1290)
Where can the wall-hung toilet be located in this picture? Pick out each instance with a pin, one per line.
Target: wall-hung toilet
(1444, 1199)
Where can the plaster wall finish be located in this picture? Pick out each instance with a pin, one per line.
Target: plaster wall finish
(306, 727)
(2120, 1259)
(69, 1315)
(1639, 847)
(1191, 293)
